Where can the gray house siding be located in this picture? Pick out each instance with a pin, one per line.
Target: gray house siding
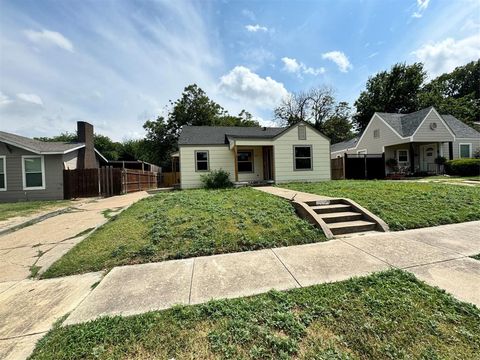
(53, 176)
(425, 133)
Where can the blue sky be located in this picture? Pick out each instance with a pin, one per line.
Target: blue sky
(117, 63)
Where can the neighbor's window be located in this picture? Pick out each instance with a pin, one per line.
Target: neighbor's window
(465, 150)
(376, 133)
(245, 161)
(3, 174)
(302, 157)
(201, 160)
(402, 155)
(302, 132)
(33, 173)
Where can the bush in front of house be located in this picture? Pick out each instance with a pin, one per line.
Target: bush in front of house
(216, 179)
(463, 167)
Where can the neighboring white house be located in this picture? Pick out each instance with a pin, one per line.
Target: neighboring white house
(415, 140)
(254, 154)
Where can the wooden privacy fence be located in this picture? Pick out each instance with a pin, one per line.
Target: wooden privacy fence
(138, 180)
(106, 181)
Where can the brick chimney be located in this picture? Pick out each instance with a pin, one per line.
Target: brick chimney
(86, 155)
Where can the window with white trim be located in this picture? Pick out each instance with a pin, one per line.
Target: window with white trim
(245, 161)
(201, 160)
(302, 157)
(3, 173)
(33, 172)
(402, 156)
(465, 150)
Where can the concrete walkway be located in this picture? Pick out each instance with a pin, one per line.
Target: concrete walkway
(437, 255)
(291, 194)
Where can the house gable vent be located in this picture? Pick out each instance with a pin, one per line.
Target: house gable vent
(302, 132)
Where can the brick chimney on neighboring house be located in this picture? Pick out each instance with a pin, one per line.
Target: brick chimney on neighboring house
(86, 155)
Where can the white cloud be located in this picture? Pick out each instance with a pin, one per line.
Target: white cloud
(421, 7)
(31, 98)
(243, 84)
(422, 4)
(372, 55)
(256, 28)
(445, 55)
(338, 58)
(4, 99)
(50, 38)
(295, 67)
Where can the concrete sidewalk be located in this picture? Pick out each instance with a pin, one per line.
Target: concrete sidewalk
(44, 242)
(437, 255)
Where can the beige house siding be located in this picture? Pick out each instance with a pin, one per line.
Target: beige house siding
(219, 157)
(425, 134)
(283, 156)
(370, 143)
(376, 145)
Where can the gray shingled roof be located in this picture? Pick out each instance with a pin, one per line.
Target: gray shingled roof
(37, 146)
(217, 135)
(344, 145)
(459, 128)
(406, 124)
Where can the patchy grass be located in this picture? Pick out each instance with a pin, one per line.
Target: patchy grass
(24, 208)
(404, 205)
(388, 315)
(452, 178)
(186, 224)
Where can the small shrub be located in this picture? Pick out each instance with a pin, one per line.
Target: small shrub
(217, 179)
(463, 167)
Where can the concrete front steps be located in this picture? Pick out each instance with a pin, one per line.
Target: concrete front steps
(339, 217)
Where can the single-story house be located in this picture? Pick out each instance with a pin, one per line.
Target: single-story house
(415, 140)
(254, 154)
(33, 170)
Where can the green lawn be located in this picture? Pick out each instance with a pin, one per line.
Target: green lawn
(186, 224)
(387, 315)
(404, 205)
(24, 208)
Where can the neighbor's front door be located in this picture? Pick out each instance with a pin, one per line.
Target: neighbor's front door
(428, 155)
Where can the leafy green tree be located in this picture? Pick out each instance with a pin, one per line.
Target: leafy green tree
(394, 91)
(194, 107)
(456, 93)
(338, 127)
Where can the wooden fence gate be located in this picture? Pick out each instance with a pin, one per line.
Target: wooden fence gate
(337, 169)
(106, 181)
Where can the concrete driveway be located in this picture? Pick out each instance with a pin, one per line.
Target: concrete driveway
(43, 243)
(28, 308)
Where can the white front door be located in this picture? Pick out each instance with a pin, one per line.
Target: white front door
(428, 154)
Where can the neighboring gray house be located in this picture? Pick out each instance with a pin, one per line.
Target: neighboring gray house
(415, 140)
(254, 154)
(33, 170)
